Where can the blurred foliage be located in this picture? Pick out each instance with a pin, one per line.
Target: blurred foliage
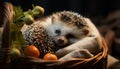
(16, 35)
(20, 18)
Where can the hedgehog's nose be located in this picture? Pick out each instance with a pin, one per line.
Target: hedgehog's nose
(60, 41)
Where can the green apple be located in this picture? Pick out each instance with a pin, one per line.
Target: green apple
(15, 53)
(38, 11)
(28, 19)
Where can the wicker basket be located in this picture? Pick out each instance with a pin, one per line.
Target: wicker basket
(99, 61)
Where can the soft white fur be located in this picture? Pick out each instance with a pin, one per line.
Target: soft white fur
(92, 42)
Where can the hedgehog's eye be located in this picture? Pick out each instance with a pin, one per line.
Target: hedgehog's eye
(70, 36)
(58, 31)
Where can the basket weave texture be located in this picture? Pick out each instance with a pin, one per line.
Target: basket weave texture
(99, 61)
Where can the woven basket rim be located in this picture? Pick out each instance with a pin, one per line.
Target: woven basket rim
(98, 57)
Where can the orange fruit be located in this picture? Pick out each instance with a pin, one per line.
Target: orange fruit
(50, 56)
(32, 51)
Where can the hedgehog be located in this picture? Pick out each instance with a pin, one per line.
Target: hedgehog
(63, 32)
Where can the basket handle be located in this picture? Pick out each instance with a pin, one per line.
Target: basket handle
(6, 19)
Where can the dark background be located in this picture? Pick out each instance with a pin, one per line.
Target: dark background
(85, 7)
(104, 13)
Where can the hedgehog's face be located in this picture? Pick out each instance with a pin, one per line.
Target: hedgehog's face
(64, 33)
(59, 32)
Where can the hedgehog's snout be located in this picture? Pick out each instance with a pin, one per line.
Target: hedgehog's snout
(61, 40)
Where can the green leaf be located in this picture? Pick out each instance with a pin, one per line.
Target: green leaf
(17, 13)
(16, 35)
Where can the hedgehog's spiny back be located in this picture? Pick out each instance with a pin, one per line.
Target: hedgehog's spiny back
(36, 35)
(72, 18)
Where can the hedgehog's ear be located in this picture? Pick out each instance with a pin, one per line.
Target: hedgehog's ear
(55, 18)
